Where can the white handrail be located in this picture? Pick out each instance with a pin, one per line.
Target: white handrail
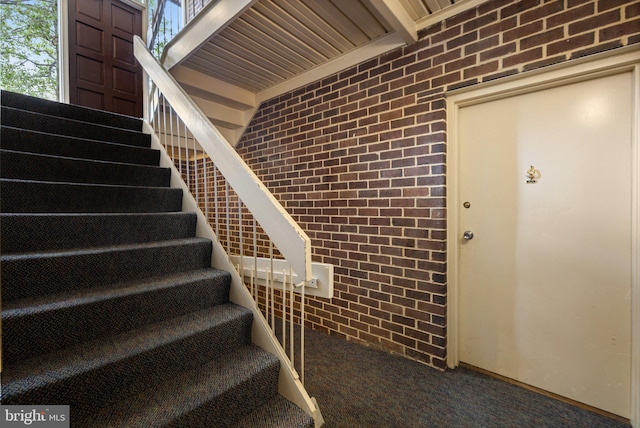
(291, 240)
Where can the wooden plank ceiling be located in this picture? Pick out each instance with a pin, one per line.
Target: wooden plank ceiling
(275, 40)
(237, 53)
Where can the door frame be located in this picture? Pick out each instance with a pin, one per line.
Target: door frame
(622, 60)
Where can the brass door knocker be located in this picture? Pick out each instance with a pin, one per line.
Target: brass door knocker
(532, 175)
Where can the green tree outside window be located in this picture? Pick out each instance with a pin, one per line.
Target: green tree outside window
(29, 47)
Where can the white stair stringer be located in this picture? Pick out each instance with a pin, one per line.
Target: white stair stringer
(289, 385)
(229, 107)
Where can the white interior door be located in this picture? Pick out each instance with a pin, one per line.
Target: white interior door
(544, 285)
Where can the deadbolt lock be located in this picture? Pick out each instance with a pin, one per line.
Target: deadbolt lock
(467, 235)
(466, 204)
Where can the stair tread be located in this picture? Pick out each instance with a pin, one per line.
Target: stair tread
(83, 160)
(277, 412)
(82, 185)
(58, 197)
(50, 272)
(102, 250)
(52, 302)
(41, 371)
(56, 108)
(63, 319)
(164, 404)
(34, 166)
(59, 125)
(23, 232)
(30, 141)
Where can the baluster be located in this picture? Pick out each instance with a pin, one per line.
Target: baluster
(157, 112)
(215, 197)
(228, 217)
(291, 324)
(186, 154)
(284, 305)
(164, 122)
(266, 295)
(205, 186)
(196, 176)
(301, 333)
(240, 231)
(173, 157)
(178, 120)
(255, 255)
(273, 304)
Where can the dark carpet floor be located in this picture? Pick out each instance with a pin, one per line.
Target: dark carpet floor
(357, 386)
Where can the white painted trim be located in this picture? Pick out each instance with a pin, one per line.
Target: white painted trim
(231, 117)
(372, 49)
(285, 233)
(215, 17)
(447, 12)
(635, 255)
(320, 285)
(398, 17)
(606, 64)
(289, 384)
(239, 97)
(135, 4)
(63, 51)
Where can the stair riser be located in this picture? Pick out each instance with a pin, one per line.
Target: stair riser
(53, 108)
(47, 144)
(252, 394)
(21, 233)
(107, 383)
(36, 275)
(43, 197)
(113, 314)
(26, 166)
(73, 128)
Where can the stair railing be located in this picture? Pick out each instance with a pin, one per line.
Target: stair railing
(243, 219)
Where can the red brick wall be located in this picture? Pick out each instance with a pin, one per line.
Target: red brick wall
(359, 159)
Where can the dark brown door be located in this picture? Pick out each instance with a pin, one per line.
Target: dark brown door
(103, 73)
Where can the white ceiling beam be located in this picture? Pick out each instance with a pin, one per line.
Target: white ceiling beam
(449, 11)
(396, 15)
(220, 90)
(231, 118)
(215, 17)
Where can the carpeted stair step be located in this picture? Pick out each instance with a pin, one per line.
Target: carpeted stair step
(69, 318)
(24, 196)
(93, 374)
(22, 140)
(37, 167)
(37, 274)
(109, 302)
(73, 128)
(22, 233)
(277, 412)
(70, 111)
(214, 395)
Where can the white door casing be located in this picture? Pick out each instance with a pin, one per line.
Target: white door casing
(542, 236)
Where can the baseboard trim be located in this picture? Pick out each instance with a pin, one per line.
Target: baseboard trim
(548, 394)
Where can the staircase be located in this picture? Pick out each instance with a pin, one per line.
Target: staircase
(109, 301)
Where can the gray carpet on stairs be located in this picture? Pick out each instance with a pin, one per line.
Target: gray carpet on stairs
(109, 301)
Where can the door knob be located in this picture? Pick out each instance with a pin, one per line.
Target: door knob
(467, 235)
